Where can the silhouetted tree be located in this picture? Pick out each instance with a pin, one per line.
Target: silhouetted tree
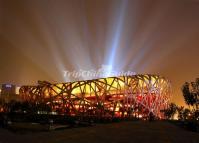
(183, 113)
(170, 111)
(186, 114)
(187, 94)
(191, 93)
(180, 112)
(196, 115)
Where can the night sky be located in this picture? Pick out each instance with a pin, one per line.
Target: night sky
(39, 39)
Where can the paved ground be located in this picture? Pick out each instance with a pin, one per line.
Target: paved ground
(123, 132)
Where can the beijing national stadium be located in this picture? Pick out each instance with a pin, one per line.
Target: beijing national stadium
(121, 97)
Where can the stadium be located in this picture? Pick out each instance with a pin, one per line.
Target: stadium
(121, 97)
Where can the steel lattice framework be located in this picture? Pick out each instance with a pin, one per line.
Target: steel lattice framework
(123, 96)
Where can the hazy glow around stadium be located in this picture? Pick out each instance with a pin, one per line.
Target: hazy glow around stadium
(41, 39)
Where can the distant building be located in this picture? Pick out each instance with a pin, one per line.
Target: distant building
(8, 89)
(9, 92)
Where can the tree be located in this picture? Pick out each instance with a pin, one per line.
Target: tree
(170, 111)
(180, 112)
(191, 93)
(183, 113)
(186, 114)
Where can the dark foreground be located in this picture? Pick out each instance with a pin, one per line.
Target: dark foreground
(123, 132)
